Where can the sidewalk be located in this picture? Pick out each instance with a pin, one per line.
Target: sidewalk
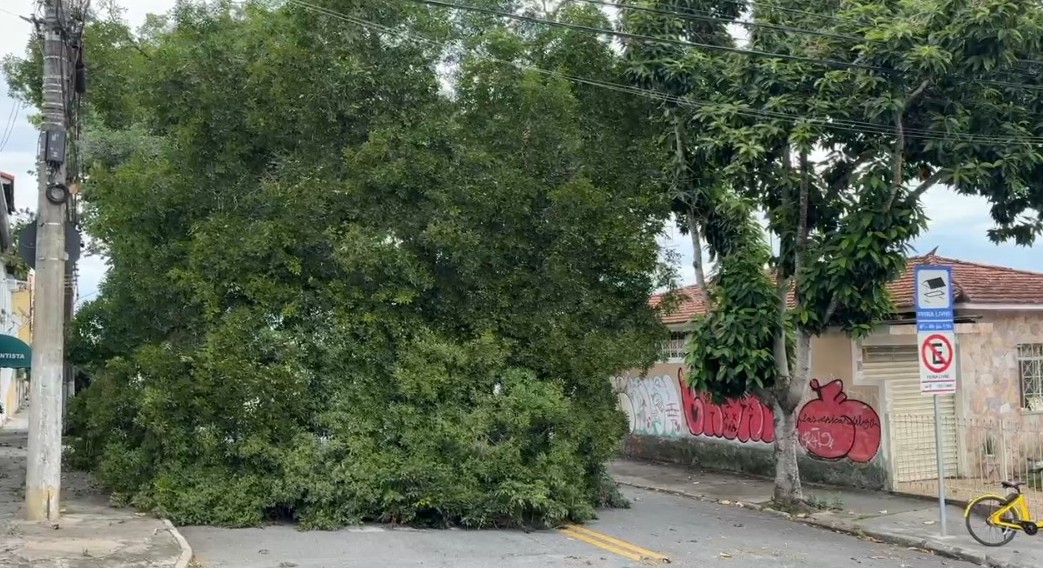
(905, 521)
(90, 534)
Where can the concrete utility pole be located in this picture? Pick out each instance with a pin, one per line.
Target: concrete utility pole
(43, 477)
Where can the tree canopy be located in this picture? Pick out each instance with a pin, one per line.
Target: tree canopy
(369, 261)
(831, 118)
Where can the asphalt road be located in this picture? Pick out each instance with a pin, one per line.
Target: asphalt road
(687, 532)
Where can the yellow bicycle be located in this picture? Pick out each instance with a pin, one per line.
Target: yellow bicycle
(1003, 515)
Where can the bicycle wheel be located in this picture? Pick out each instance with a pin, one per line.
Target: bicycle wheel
(986, 533)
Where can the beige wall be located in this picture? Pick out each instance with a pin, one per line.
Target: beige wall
(661, 406)
(838, 419)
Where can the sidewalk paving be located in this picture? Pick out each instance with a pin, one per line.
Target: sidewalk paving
(90, 533)
(906, 521)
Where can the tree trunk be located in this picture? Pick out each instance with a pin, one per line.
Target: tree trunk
(788, 394)
(697, 255)
(788, 493)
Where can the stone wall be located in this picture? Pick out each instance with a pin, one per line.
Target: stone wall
(989, 369)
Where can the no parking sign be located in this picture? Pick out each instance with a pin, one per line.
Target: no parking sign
(934, 325)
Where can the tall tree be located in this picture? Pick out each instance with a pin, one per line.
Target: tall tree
(833, 119)
(343, 288)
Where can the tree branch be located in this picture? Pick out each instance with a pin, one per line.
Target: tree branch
(831, 309)
(937, 177)
(800, 254)
(898, 155)
(845, 180)
(697, 256)
(779, 349)
(684, 186)
(915, 94)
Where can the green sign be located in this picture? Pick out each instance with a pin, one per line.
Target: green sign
(14, 353)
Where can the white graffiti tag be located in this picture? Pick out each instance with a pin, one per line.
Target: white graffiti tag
(817, 439)
(652, 404)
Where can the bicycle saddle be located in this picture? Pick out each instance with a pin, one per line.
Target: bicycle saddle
(1012, 484)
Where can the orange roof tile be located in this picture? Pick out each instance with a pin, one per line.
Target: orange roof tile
(973, 283)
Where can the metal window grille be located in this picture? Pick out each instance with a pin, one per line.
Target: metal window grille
(674, 348)
(1030, 368)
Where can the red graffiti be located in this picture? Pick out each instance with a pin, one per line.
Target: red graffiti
(833, 427)
(746, 419)
(829, 426)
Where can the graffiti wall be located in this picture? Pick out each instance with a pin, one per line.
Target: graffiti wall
(743, 420)
(830, 426)
(652, 405)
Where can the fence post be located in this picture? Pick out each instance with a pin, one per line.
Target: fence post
(1003, 452)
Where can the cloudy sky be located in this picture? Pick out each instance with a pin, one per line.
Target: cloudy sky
(958, 224)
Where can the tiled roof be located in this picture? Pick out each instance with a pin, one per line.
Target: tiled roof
(973, 283)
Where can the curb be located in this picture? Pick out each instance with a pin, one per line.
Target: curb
(952, 552)
(186, 551)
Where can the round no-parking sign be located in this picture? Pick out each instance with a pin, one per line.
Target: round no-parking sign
(936, 352)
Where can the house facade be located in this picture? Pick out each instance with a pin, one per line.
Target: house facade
(863, 421)
(14, 391)
(14, 309)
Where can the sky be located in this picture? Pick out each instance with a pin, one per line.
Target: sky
(957, 227)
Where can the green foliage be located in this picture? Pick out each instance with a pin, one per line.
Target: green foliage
(731, 347)
(924, 96)
(338, 293)
(857, 262)
(458, 438)
(900, 96)
(16, 267)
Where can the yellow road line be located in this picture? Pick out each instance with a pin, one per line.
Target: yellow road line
(612, 544)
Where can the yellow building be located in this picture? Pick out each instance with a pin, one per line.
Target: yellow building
(15, 316)
(22, 319)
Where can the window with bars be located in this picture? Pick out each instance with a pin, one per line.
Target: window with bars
(673, 349)
(1030, 368)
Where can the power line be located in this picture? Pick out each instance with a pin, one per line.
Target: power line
(9, 129)
(859, 127)
(707, 17)
(628, 35)
(701, 15)
(742, 51)
(843, 125)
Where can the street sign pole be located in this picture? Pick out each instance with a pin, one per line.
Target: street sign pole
(940, 461)
(936, 341)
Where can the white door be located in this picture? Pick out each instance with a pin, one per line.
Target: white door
(911, 415)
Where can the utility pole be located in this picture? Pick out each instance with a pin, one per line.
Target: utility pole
(43, 476)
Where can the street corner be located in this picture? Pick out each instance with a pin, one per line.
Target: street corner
(95, 539)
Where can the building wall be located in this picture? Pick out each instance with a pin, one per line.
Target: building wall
(845, 434)
(839, 428)
(10, 386)
(21, 308)
(992, 410)
(21, 300)
(989, 368)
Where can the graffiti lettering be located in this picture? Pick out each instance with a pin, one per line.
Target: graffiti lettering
(651, 404)
(829, 426)
(746, 419)
(833, 427)
(817, 439)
